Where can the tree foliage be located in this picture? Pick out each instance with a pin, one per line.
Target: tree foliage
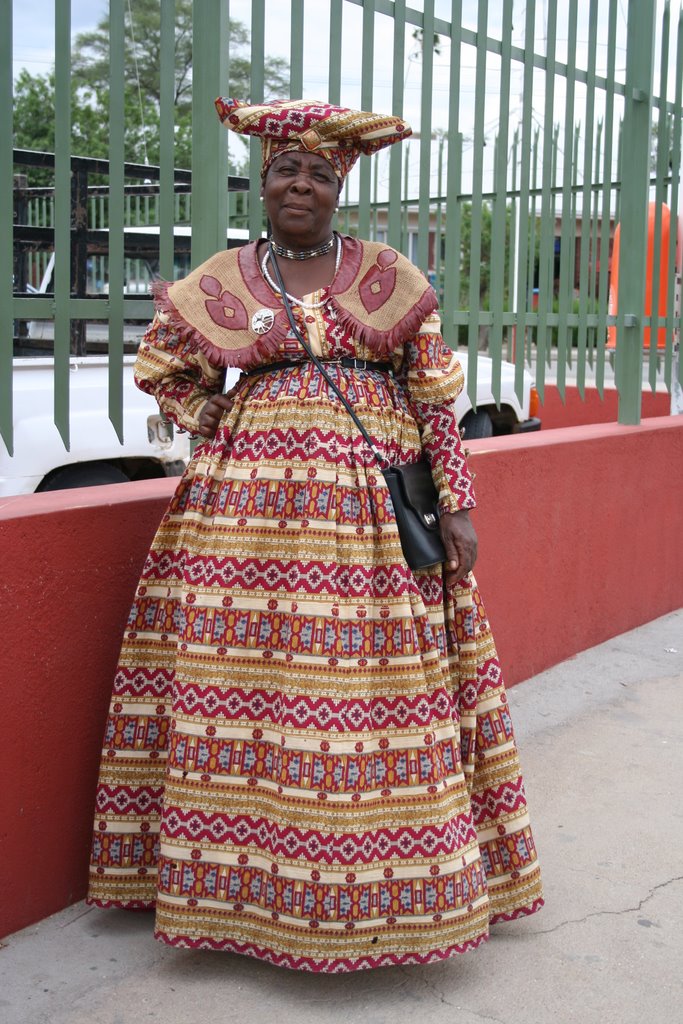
(34, 105)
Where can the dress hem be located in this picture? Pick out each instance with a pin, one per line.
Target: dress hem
(514, 915)
(336, 965)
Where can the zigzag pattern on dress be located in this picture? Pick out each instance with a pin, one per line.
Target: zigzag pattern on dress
(282, 710)
(129, 800)
(331, 966)
(345, 848)
(495, 801)
(310, 577)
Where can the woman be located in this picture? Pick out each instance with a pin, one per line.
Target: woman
(309, 757)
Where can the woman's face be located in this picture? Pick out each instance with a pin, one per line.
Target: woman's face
(300, 193)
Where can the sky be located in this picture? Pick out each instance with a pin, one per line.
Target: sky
(34, 46)
(34, 30)
(34, 27)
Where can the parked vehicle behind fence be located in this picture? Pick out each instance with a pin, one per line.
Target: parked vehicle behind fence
(151, 446)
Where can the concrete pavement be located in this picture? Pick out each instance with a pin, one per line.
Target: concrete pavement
(601, 739)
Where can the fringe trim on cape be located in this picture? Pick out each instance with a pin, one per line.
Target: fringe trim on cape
(244, 358)
(383, 343)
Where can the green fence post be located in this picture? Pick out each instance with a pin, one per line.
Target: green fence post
(606, 191)
(634, 202)
(258, 57)
(209, 143)
(477, 201)
(334, 72)
(586, 247)
(673, 381)
(296, 50)
(62, 273)
(452, 258)
(499, 249)
(522, 255)
(166, 205)
(6, 217)
(661, 177)
(395, 152)
(424, 199)
(117, 210)
(547, 224)
(366, 99)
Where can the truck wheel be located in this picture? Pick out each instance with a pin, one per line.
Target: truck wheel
(84, 474)
(476, 424)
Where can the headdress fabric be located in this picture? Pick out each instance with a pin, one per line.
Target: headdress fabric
(338, 134)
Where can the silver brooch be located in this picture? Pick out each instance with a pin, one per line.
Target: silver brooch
(262, 320)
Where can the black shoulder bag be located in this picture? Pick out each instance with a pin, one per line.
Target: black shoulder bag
(412, 489)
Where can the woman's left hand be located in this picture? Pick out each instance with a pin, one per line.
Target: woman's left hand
(460, 541)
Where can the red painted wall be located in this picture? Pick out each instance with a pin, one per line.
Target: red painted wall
(70, 560)
(577, 410)
(579, 540)
(579, 536)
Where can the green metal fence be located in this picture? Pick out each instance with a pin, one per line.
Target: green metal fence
(538, 127)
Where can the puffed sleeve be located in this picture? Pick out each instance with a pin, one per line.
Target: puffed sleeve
(180, 377)
(432, 377)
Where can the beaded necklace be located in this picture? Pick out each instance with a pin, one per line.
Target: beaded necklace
(292, 298)
(302, 254)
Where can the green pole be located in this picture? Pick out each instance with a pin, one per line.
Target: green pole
(424, 201)
(366, 92)
(62, 274)
(117, 210)
(6, 251)
(395, 152)
(634, 201)
(166, 205)
(209, 142)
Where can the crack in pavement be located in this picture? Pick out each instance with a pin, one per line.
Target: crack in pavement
(612, 913)
(466, 1009)
(432, 989)
(475, 1013)
(444, 1001)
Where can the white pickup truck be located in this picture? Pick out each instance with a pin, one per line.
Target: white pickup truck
(151, 446)
(512, 417)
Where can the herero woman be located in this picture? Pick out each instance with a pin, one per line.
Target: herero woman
(309, 757)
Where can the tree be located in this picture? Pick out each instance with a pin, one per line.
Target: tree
(34, 121)
(34, 95)
(419, 37)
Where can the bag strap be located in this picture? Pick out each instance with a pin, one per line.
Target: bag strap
(383, 463)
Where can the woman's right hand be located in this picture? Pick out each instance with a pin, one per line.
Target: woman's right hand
(212, 413)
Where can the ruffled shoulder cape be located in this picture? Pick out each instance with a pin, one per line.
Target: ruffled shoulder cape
(227, 310)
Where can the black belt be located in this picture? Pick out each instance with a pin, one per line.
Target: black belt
(348, 362)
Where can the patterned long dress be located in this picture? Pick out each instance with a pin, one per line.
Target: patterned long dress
(309, 757)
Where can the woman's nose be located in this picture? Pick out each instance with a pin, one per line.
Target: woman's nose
(302, 182)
